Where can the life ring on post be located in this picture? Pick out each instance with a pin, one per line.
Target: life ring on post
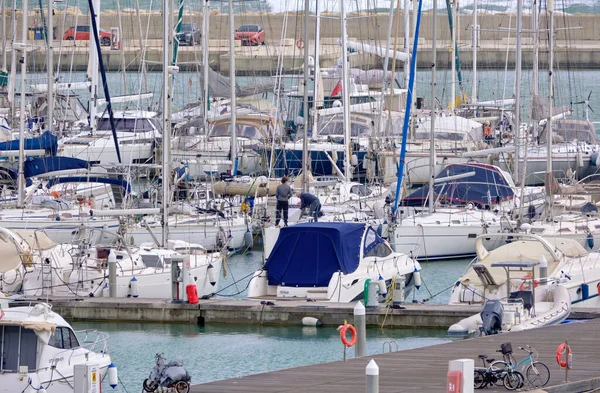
(300, 43)
(560, 351)
(343, 330)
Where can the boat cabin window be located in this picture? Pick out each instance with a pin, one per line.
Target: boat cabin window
(63, 338)
(358, 128)
(375, 246)
(125, 125)
(243, 131)
(19, 348)
(360, 190)
(422, 133)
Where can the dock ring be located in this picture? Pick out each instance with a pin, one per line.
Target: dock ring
(343, 330)
(300, 43)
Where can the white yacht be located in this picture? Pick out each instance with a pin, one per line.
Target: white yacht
(137, 135)
(40, 351)
(330, 261)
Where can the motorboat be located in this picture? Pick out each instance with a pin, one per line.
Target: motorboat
(40, 350)
(471, 199)
(328, 261)
(557, 262)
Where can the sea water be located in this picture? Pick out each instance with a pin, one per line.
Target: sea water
(219, 351)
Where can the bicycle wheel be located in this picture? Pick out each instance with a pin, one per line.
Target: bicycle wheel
(498, 369)
(479, 379)
(149, 386)
(513, 380)
(182, 387)
(537, 374)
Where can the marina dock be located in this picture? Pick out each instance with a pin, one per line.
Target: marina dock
(424, 369)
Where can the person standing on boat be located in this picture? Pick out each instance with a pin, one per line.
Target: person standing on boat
(283, 194)
(310, 201)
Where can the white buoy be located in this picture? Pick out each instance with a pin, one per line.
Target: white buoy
(382, 288)
(354, 160)
(311, 321)
(105, 292)
(372, 289)
(112, 376)
(134, 289)
(417, 278)
(41, 390)
(543, 270)
(212, 274)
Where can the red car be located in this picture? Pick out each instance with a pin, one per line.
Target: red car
(82, 33)
(250, 35)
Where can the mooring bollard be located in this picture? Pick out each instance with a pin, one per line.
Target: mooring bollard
(112, 274)
(360, 324)
(372, 372)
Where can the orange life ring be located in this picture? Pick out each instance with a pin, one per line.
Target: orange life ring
(487, 131)
(300, 43)
(343, 330)
(562, 349)
(536, 282)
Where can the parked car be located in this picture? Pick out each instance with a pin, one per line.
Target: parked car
(250, 35)
(189, 34)
(82, 33)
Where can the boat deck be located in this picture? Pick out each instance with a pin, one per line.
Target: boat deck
(424, 369)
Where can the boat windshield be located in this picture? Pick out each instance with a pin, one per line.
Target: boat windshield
(359, 127)
(126, 125)
(19, 348)
(375, 246)
(63, 338)
(243, 131)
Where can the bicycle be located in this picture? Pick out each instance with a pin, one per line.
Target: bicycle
(496, 373)
(536, 373)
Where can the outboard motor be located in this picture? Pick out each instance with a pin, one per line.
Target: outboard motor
(491, 316)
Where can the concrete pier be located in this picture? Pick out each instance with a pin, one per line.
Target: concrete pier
(252, 312)
(576, 42)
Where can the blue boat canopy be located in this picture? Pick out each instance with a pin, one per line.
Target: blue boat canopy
(46, 141)
(307, 255)
(89, 179)
(40, 165)
(486, 187)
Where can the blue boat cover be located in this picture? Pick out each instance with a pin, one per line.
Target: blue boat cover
(40, 165)
(46, 141)
(307, 255)
(486, 187)
(89, 179)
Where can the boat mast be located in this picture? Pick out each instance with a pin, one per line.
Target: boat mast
(406, 44)
(166, 132)
(346, 95)
(94, 60)
(317, 70)
(13, 61)
(3, 29)
(306, 111)
(21, 175)
(475, 43)
(205, 26)
(50, 56)
(517, 131)
(433, 114)
(234, 160)
(549, 172)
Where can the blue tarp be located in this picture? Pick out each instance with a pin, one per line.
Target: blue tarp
(37, 166)
(306, 255)
(485, 188)
(89, 179)
(46, 141)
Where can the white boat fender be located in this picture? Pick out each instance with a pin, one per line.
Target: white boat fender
(311, 321)
(354, 160)
(212, 274)
(382, 288)
(595, 159)
(580, 159)
(105, 291)
(112, 376)
(41, 390)
(134, 289)
(248, 241)
(417, 278)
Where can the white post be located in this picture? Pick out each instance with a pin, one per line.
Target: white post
(112, 274)
(21, 176)
(467, 370)
(372, 373)
(360, 324)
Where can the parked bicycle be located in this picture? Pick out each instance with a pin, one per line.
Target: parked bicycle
(498, 372)
(168, 375)
(536, 373)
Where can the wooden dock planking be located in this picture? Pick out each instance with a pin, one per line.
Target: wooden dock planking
(424, 369)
